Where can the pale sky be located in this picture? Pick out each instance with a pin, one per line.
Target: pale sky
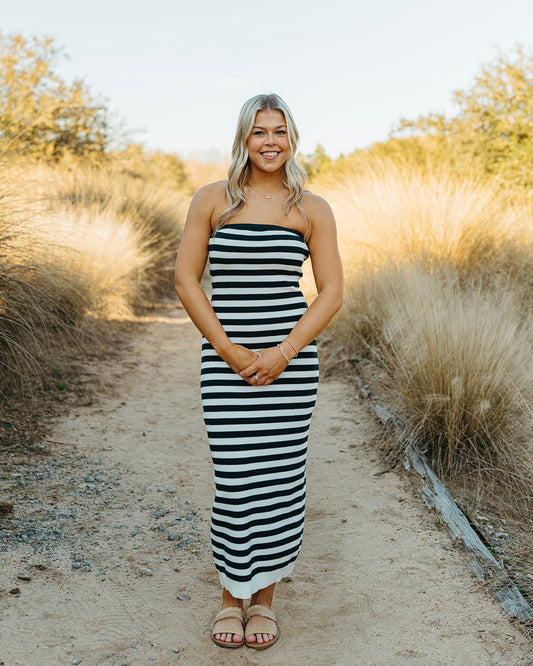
(178, 71)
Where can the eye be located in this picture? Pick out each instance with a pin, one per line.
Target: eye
(257, 132)
(281, 131)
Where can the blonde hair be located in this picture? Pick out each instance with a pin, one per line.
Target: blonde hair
(293, 175)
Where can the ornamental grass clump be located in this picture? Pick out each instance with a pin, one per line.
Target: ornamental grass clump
(439, 298)
(460, 366)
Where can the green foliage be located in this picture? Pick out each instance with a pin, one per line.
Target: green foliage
(316, 163)
(41, 115)
(493, 127)
(155, 166)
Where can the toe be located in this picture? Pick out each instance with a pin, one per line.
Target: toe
(237, 638)
(251, 638)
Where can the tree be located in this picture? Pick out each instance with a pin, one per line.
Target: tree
(316, 163)
(41, 115)
(494, 122)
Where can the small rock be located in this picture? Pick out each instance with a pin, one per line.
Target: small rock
(166, 558)
(174, 537)
(23, 576)
(500, 535)
(89, 479)
(172, 490)
(6, 507)
(76, 662)
(287, 579)
(14, 590)
(183, 597)
(100, 479)
(76, 565)
(145, 571)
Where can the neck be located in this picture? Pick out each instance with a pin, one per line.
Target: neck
(266, 181)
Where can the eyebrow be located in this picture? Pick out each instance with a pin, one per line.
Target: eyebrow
(261, 127)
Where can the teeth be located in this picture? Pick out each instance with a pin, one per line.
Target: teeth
(269, 154)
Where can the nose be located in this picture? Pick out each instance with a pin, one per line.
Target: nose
(271, 139)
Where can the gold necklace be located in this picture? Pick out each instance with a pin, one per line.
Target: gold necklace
(267, 196)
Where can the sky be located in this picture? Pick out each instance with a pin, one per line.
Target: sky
(177, 72)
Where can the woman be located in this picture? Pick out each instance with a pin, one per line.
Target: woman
(259, 362)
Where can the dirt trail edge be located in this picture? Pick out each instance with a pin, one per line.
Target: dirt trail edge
(112, 530)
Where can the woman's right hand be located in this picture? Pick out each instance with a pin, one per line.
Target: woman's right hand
(238, 358)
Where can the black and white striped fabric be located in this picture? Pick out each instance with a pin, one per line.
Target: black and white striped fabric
(257, 434)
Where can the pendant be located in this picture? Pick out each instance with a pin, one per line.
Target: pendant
(267, 196)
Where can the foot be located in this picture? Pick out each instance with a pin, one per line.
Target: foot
(225, 631)
(252, 636)
(261, 627)
(228, 627)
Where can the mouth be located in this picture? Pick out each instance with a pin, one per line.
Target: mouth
(270, 154)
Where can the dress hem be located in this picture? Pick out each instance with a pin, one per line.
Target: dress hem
(259, 582)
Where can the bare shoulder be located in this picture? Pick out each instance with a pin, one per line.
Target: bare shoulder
(207, 201)
(319, 211)
(212, 192)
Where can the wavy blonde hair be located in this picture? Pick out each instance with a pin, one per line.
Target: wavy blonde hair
(293, 175)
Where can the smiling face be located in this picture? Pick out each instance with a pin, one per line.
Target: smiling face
(268, 142)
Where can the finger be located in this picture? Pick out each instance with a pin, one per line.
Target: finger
(250, 370)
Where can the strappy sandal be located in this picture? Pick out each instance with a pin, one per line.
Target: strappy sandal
(261, 611)
(225, 614)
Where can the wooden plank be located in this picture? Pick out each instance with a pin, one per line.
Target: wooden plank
(436, 496)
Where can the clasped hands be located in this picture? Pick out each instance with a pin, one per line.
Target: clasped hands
(257, 368)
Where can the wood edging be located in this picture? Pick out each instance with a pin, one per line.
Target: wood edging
(484, 565)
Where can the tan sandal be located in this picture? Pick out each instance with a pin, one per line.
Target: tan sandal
(261, 611)
(225, 614)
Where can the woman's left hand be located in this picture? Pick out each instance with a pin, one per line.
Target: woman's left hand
(266, 368)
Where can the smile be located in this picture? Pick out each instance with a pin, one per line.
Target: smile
(269, 155)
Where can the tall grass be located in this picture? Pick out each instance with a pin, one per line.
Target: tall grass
(439, 297)
(77, 246)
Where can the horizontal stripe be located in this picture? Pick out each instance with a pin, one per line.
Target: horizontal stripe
(263, 558)
(256, 534)
(245, 446)
(262, 483)
(252, 515)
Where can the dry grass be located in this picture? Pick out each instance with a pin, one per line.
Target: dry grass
(200, 173)
(155, 207)
(78, 246)
(459, 362)
(439, 296)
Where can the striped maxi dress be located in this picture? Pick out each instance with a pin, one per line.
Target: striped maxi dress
(257, 434)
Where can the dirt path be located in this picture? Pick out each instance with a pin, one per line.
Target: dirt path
(113, 530)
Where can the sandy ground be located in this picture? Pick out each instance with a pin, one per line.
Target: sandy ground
(113, 531)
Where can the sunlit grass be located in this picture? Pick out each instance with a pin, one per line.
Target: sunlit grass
(439, 275)
(78, 245)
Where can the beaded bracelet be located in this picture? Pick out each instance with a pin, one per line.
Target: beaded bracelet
(293, 347)
(284, 354)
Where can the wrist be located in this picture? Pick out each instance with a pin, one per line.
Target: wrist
(294, 350)
(287, 351)
(224, 349)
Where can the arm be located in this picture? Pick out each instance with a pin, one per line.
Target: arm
(327, 271)
(190, 264)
